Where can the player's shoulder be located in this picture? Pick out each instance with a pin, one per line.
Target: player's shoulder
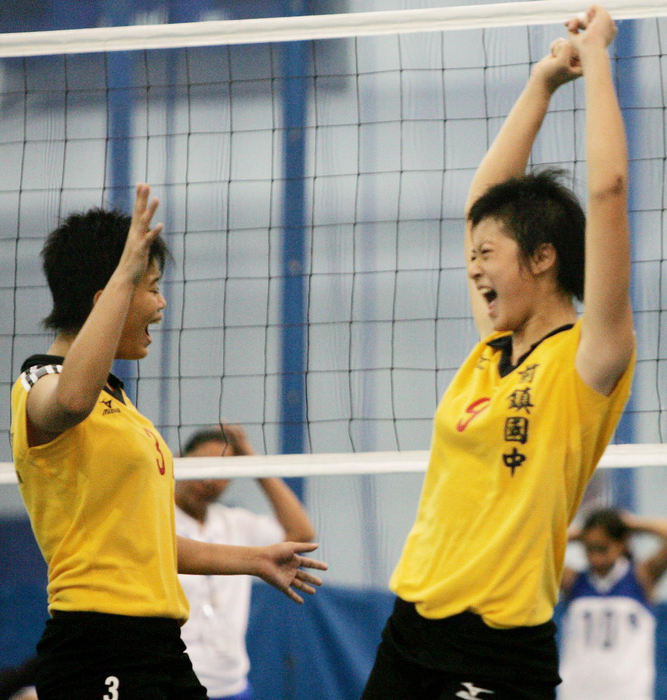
(41, 360)
(35, 367)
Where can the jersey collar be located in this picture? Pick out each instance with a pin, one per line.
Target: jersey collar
(504, 344)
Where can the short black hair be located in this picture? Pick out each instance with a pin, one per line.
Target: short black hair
(203, 436)
(536, 208)
(609, 520)
(79, 258)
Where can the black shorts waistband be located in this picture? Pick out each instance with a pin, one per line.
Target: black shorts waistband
(83, 615)
(163, 631)
(465, 643)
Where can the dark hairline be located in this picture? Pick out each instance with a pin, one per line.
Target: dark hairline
(203, 436)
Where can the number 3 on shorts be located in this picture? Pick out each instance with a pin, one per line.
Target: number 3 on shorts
(112, 682)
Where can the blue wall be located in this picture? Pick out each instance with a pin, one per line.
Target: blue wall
(22, 591)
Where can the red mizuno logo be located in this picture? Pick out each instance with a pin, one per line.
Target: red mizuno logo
(473, 410)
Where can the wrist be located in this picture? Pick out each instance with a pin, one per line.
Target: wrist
(248, 561)
(540, 87)
(257, 562)
(592, 50)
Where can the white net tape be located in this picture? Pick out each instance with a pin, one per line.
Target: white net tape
(408, 461)
(250, 31)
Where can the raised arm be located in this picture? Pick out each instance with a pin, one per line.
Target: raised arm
(607, 337)
(508, 155)
(287, 508)
(650, 570)
(279, 564)
(58, 402)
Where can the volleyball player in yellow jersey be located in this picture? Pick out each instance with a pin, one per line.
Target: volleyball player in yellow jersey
(98, 482)
(524, 422)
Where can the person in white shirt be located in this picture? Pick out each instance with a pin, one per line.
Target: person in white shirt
(219, 609)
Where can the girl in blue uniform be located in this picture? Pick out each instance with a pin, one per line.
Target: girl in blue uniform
(609, 628)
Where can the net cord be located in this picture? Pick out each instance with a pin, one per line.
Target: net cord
(301, 28)
(333, 464)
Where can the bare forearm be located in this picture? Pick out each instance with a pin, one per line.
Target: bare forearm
(607, 159)
(204, 558)
(654, 567)
(508, 155)
(652, 526)
(606, 150)
(288, 510)
(91, 355)
(506, 158)
(281, 564)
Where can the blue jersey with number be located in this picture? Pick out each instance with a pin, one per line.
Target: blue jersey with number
(609, 638)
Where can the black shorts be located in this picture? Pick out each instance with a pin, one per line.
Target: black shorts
(461, 657)
(95, 656)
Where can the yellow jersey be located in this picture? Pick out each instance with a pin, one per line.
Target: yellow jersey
(510, 458)
(100, 498)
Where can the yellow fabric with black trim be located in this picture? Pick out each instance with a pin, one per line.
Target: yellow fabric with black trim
(510, 459)
(101, 502)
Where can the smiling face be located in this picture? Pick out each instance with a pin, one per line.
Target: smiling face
(501, 276)
(145, 308)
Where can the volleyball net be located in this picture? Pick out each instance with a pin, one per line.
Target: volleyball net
(351, 138)
(312, 173)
